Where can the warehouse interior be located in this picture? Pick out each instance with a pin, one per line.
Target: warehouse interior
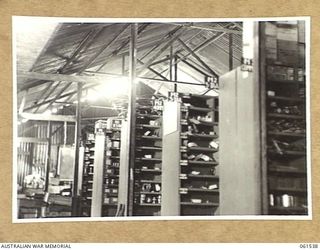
(119, 119)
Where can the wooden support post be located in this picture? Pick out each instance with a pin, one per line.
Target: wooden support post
(132, 113)
(65, 128)
(75, 197)
(48, 156)
(230, 51)
(175, 73)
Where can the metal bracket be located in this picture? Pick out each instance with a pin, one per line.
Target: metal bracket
(246, 64)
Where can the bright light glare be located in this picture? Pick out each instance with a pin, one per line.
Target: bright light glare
(54, 110)
(111, 89)
(47, 112)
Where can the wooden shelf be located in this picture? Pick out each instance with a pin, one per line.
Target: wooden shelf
(148, 116)
(203, 163)
(286, 134)
(149, 148)
(200, 109)
(201, 136)
(115, 157)
(210, 204)
(110, 204)
(149, 137)
(150, 181)
(147, 126)
(113, 148)
(288, 190)
(285, 116)
(286, 170)
(111, 185)
(151, 193)
(202, 149)
(288, 152)
(149, 159)
(285, 81)
(149, 204)
(286, 99)
(288, 209)
(201, 190)
(151, 170)
(203, 176)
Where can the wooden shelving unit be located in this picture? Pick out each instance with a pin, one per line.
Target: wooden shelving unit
(108, 156)
(87, 177)
(112, 166)
(285, 108)
(148, 162)
(191, 179)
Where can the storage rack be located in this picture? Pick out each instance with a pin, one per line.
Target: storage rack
(111, 168)
(199, 180)
(286, 127)
(147, 169)
(87, 181)
(110, 130)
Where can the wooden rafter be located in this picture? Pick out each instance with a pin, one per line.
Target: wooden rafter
(198, 58)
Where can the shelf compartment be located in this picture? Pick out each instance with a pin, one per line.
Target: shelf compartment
(286, 116)
(210, 204)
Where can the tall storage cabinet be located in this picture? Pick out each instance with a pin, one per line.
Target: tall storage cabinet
(284, 104)
(148, 160)
(190, 178)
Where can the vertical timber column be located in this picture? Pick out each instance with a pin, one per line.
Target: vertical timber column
(240, 146)
(49, 132)
(170, 182)
(132, 112)
(124, 169)
(75, 197)
(97, 187)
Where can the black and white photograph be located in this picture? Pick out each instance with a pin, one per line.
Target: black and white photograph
(161, 119)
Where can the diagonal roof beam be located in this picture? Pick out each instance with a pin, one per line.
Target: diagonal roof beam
(156, 55)
(90, 61)
(124, 44)
(198, 58)
(153, 70)
(209, 28)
